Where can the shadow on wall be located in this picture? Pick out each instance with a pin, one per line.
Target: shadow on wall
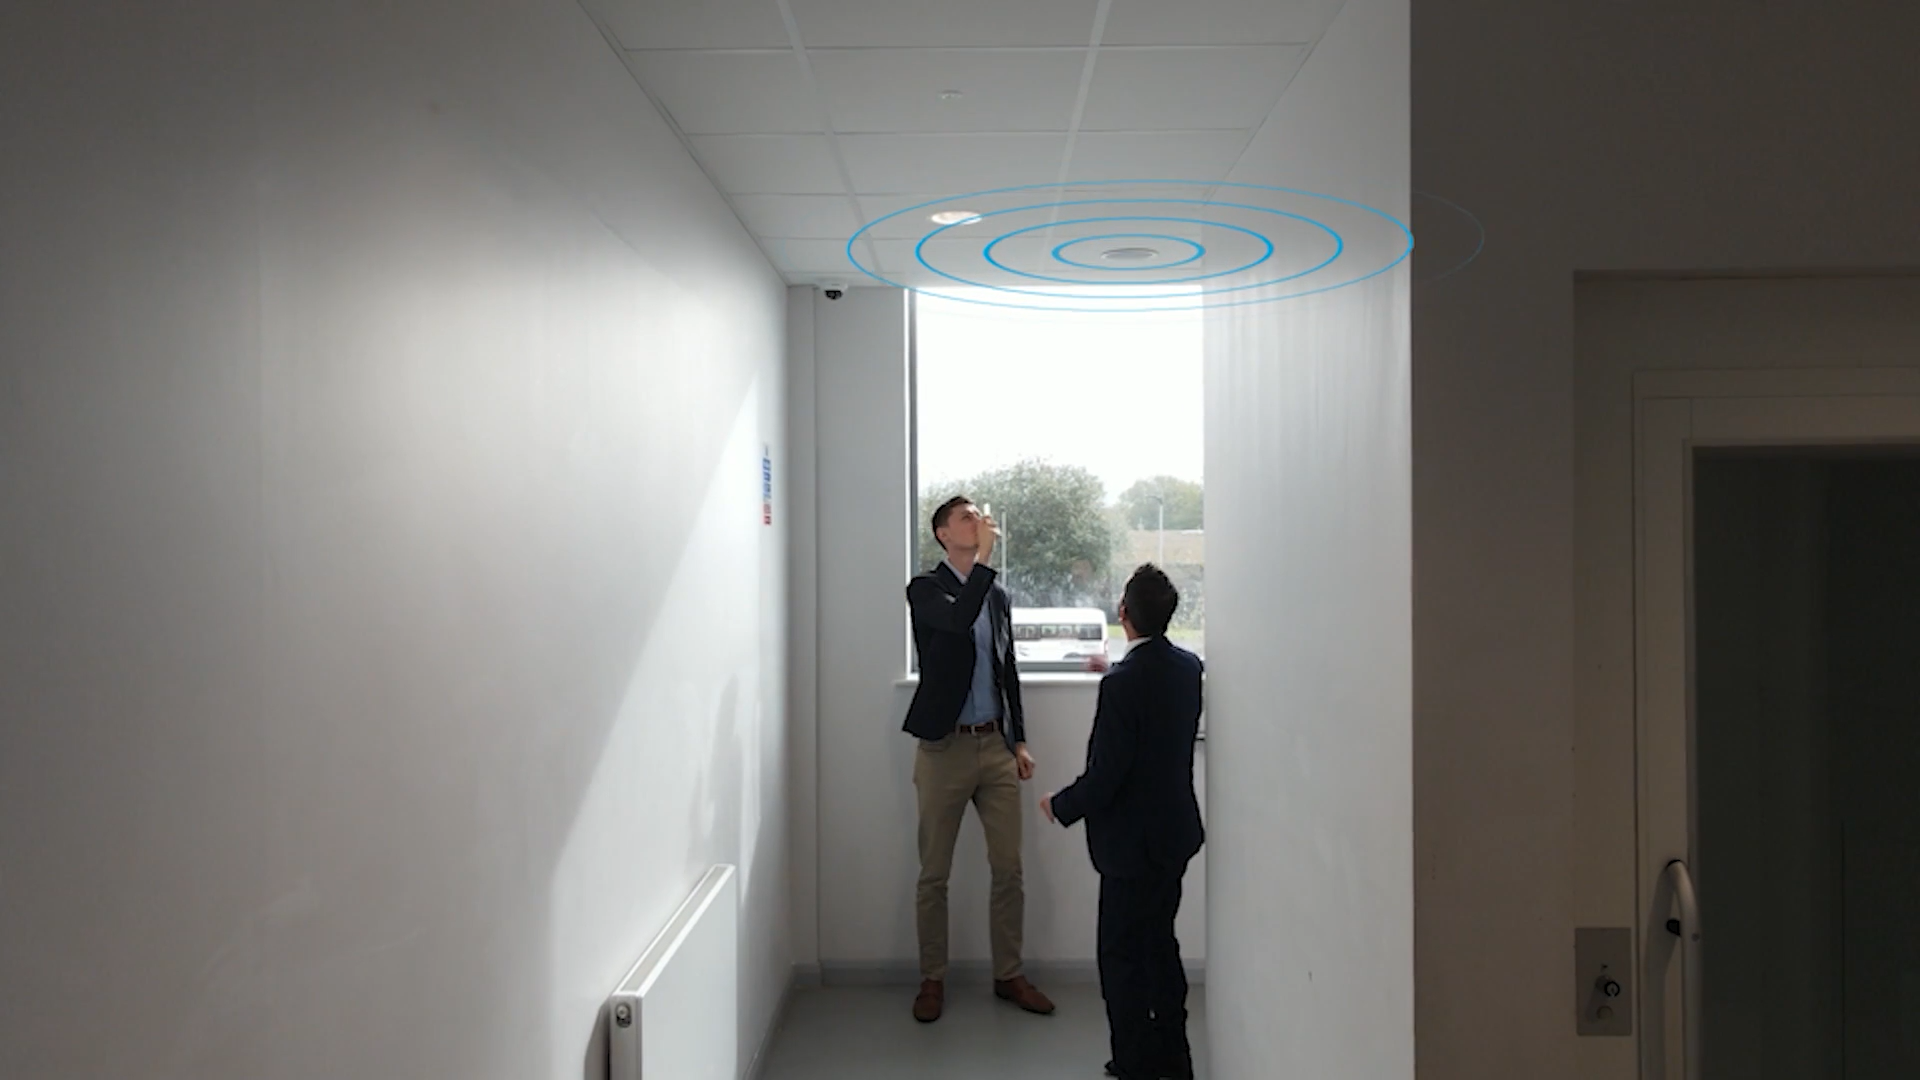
(599, 1050)
(676, 787)
(724, 827)
(358, 490)
(715, 812)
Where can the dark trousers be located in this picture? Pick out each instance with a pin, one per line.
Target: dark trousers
(1141, 976)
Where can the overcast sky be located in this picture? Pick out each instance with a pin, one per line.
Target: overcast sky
(1120, 395)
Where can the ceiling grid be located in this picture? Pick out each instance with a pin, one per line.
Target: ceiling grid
(816, 117)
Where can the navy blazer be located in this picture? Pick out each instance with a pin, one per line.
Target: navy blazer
(1137, 791)
(943, 612)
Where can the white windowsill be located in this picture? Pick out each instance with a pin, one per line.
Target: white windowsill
(1086, 680)
(1038, 678)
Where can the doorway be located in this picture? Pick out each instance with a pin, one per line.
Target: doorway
(1807, 751)
(1778, 635)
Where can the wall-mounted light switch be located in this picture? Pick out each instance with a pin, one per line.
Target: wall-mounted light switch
(1602, 975)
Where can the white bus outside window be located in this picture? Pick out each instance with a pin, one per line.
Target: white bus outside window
(1058, 639)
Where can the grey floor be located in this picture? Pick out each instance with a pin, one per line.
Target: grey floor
(869, 1033)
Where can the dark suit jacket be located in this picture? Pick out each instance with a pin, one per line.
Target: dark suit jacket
(943, 612)
(1137, 792)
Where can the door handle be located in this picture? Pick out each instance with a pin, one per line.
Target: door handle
(1687, 929)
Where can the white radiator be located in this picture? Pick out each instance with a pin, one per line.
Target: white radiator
(676, 1014)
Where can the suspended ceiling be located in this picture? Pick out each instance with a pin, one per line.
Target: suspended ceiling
(816, 117)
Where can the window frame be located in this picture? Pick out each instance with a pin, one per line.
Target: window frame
(914, 524)
(1044, 673)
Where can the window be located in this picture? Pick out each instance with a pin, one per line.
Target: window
(1082, 434)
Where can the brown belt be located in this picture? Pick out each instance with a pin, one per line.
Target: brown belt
(978, 729)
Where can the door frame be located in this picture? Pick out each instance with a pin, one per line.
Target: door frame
(1675, 413)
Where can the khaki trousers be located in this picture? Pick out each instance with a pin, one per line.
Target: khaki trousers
(948, 774)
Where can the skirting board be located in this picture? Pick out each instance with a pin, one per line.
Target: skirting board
(965, 972)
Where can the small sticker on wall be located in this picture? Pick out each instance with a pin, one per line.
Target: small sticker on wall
(766, 485)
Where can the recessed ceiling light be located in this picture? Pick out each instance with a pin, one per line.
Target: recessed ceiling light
(951, 95)
(1129, 254)
(954, 217)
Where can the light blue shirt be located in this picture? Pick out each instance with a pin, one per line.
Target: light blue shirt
(983, 702)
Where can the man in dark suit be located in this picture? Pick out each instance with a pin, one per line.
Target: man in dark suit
(1143, 827)
(972, 748)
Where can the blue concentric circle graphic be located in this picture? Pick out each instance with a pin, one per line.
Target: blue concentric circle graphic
(988, 252)
(1131, 246)
(1459, 230)
(1199, 251)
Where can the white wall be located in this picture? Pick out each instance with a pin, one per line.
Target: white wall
(1310, 913)
(866, 808)
(801, 486)
(388, 635)
(1621, 136)
(860, 420)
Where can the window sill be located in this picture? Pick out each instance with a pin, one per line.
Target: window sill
(1038, 678)
(1051, 678)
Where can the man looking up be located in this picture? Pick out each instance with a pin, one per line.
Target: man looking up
(972, 747)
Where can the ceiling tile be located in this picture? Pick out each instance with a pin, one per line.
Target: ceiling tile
(695, 24)
(1217, 22)
(954, 256)
(729, 93)
(810, 256)
(1077, 223)
(1159, 155)
(879, 208)
(1188, 88)
(896, 256)
(963, 258)
(809, 217)
(898, 90)
(1128, 194)
(822, 277)
(943, 23)
(769, 164)
(966, 260)
(959, 163)
(915, 221)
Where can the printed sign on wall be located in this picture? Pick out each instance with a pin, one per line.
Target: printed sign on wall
(766, 485)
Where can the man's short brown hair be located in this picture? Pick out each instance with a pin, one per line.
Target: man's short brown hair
(945, 511)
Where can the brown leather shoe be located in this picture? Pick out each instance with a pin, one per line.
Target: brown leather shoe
(926, 1007)
(1022, 993)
